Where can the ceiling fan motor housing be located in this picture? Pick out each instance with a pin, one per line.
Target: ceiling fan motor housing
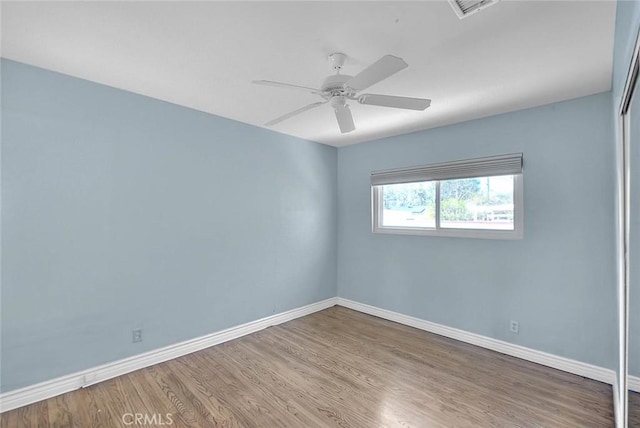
(334, 85)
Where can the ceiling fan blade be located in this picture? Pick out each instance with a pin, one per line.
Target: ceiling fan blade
(379, 70)
(295, 112)
(345, 119)
(286, 85)
(396, 102)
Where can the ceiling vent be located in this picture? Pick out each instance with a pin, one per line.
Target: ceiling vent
(464, 8)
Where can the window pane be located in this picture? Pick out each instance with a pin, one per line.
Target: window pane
(409, 205)
(477, 203)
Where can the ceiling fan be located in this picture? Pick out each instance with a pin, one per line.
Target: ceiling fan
(337, 89)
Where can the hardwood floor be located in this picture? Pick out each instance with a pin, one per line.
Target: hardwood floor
(634, 409)
(334, 368)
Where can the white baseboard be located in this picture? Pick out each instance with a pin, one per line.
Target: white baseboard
(41, 391)
(565, 364)
(633, 383)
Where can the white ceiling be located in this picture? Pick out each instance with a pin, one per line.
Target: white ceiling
(204, 55)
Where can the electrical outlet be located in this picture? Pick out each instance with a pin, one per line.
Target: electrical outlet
(136, 335)
(513, 326)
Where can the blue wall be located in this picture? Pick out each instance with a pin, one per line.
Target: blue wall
(558, 282)
(121, 212)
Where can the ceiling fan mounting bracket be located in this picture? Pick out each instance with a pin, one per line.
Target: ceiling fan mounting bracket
(338, 60)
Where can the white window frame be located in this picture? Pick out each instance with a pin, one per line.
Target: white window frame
(518, 215)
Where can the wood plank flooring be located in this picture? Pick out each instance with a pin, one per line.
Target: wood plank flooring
(335, 368)
(634, 409)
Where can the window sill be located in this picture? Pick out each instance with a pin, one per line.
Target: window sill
(452, 233)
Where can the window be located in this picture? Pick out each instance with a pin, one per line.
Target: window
(477, 198)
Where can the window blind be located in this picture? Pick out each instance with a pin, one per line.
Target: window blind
(482, 167)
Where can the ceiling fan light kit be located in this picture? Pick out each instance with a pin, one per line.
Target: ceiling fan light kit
(339, 88)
